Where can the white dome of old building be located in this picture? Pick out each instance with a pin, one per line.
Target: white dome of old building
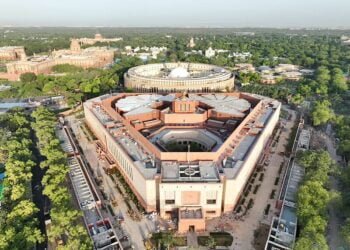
(179, 72)
(178, 77)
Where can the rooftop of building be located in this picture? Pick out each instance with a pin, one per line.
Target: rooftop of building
(140, 104)
(180, 70)
(203, 171)
(211, 138)
(10, 48)
(191, 213)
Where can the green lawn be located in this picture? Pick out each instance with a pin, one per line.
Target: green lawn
(221, 239)
(180, 241)
(160, 238)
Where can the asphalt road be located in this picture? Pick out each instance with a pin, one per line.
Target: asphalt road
(38, 197)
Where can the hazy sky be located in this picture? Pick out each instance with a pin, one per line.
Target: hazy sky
(179, 13)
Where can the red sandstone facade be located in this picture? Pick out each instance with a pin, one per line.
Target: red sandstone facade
(92, 57)
(12, 53)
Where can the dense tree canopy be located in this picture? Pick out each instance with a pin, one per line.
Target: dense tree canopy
(65, 219)
(18, 223)
(28, 77)
(313, 199)
(321, 112)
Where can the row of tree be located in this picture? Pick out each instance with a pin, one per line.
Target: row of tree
(65, 219)
(342, 125)
(313, 199)
(18, 222)
(345, 202)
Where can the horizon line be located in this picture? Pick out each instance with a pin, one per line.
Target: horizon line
(182, 27)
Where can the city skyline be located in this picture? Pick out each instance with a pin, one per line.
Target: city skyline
(156, 13)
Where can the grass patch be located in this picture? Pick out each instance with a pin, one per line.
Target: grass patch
(162, 239)
(221, 239)
(180, 241)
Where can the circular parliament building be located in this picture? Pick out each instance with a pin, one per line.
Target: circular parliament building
(179, 77)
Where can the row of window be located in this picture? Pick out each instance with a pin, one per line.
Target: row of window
(172, 202)
(120, 157)
(179, 83)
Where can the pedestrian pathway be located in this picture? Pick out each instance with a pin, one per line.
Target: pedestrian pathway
(192, 239)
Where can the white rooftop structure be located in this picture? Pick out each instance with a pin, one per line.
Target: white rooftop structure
(223, 103)
(141, 104)
(179, 72)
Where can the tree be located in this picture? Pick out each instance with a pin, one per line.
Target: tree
(317, 164)
(211, 242)
(316, 224)
(311, 242)
(297, 99)
(168, 240)
(338, 80)
(321, 112)
(19, 226)
(346, 231)
(27, 77)
(66, 68)
(322, 75)
(312, 200)
(64, 217)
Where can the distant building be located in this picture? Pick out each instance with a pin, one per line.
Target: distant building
(12, 53)
(144, 53)
(209, 53)
(345, 40)
(244, 67)
(128, 48)
(241, 55)
(265, 69)
(191, 44)
(193, 52)
(280, 68)
(98, 38)
(268, 79)
(307, 72)
(178, 77)
(93, 57)
(292, 75)
(219, 51)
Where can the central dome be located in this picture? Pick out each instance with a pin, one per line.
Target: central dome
(179, 72)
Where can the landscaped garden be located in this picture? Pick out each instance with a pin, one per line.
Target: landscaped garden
(220, 238)
(167, 240)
